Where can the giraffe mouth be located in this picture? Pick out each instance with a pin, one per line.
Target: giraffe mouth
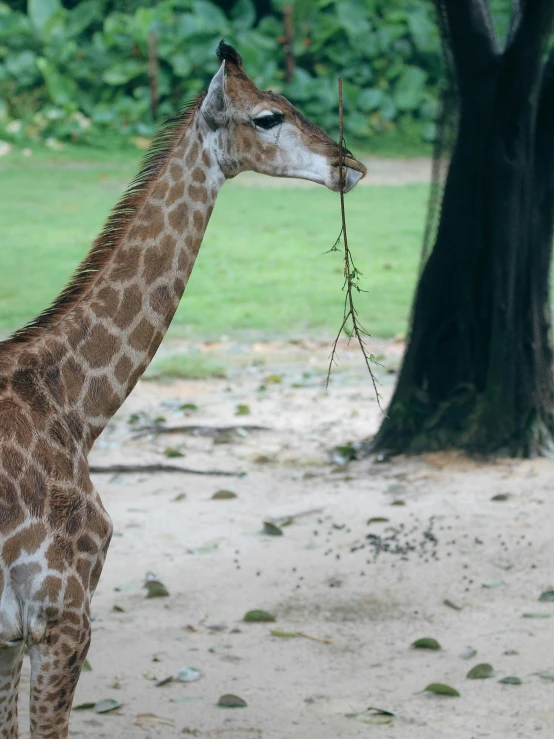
(354, 171)
(350, 163)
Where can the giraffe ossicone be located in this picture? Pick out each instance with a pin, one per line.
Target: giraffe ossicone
(67, 372)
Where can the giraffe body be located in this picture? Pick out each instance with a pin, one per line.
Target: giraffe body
(66, 374)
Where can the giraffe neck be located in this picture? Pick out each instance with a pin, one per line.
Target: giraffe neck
(112, 333)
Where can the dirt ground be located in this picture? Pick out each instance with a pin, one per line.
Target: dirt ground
(449, 563)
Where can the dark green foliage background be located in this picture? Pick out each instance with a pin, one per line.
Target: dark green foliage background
(76, 69)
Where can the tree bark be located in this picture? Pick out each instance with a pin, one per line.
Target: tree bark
(477, 373)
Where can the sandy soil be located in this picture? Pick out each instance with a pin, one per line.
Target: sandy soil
(448, 542)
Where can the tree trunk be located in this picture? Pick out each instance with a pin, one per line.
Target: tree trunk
(477, 373)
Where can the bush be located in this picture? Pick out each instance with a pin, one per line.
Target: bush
(78, 71)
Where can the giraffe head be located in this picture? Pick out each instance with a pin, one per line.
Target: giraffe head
(261, 131)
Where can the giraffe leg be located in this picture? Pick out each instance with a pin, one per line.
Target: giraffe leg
(11, 659)
(56, 664)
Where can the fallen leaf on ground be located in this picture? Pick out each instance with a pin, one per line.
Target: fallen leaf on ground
(271, 529)
(150, 720)
(547, 596)
(426, 644)
(231, 701)
(341, 455)
(242, 410)
(440, 689)
(106, 705)
(537, 615)
(480, 672)
(224, 495)
(178, 498)
(156, 589)
(86, 666)
(501, 497)
(284, 634)
(374, 716)
(258, 616)
(510, 681)
(84, 706)
(188, 675)
(451, 604)
(172, 453)
(164, 681)
(377, 519)
(493, 584)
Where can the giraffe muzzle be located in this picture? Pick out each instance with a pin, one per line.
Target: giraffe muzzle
(353, 176)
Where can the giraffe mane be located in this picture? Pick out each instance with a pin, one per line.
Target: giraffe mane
(115, 227)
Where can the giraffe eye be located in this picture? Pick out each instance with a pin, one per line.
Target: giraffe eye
(269, 121)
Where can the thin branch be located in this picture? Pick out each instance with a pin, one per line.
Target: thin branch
(314, 638)
(351, 274)
(195, 429)
(125, 469)
(285, 520)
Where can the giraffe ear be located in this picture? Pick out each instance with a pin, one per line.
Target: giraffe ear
(213, 105)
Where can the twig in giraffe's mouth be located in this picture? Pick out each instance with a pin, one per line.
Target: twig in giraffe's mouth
(350, 322)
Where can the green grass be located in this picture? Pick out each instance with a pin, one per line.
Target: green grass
(262, 268)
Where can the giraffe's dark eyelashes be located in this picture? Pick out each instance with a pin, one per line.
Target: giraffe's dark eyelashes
(268, 120)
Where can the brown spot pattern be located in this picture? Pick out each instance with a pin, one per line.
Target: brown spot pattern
(126, 265)
(100, 343)
(131, 305)
(175, 193)
(198, 220)
(123, 368)
(198, 175)
(142, 336)
(178, 217)
(198, 194)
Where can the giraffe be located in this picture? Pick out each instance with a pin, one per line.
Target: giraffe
(67, 372)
